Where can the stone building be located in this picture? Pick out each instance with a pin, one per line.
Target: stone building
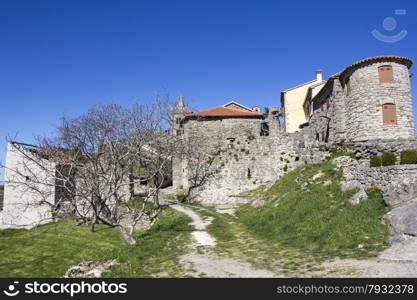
(369, 100)
(368, 104)
(247, 149)
(29, 190)
(292, 100)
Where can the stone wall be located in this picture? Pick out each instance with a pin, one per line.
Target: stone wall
(328, 119)
(356, 116)
(377, 147)
(364, 103)
(28, 189)
(242, 158)
(398, 182)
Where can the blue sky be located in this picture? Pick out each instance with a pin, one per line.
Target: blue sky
(61, 57)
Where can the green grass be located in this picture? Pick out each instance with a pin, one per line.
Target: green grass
(157, 251)
(235, 241)
(318, 218)
(219, 228)
(49, 250)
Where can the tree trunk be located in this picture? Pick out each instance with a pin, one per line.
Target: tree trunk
(126, 235)
(156, 199)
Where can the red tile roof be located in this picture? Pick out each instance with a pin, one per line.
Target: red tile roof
(221, 111)
(408, 62)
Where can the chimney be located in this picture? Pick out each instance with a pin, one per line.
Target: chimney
(319, 76)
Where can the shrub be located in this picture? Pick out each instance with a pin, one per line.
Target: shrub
(181, 195)
(375, 161)
(374, 192)
(388, 159)
(408, 157)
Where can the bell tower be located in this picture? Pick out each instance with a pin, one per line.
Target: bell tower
(178, 114)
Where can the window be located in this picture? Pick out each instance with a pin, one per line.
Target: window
(389, 113)
(385, 74)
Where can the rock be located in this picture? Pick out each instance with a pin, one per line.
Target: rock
(318, 175)
(403, 220)
(399, 193)
(402, 250)
(88, 269)
(344, 161)
(350, 185)
(355, 199)
(327, 182)
(258, 203)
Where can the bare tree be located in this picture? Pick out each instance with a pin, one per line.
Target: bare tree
(93, 163)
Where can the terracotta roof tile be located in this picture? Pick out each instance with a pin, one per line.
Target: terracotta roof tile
(221, 111)
(406, 60)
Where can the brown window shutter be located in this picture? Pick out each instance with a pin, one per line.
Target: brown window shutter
(389, 113)
(385, 74)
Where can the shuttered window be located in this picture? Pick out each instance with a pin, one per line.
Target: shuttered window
(389, 113)
(385, 74)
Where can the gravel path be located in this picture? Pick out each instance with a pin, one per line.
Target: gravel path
(210, 264)
(203, 261)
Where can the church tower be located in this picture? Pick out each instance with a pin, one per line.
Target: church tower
(178, 114)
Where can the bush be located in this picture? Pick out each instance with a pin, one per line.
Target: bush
(374, 192)
(181, 195)
(408, 157)
(388, 159)
(375, 161)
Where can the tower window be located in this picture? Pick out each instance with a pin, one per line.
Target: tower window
(389, 113)
(385, 74)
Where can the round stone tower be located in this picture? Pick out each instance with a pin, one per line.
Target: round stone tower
(378, 102)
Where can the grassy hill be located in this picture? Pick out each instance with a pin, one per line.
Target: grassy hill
(49, 250)
(307, 210)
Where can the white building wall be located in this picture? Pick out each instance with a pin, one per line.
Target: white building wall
(29, 187)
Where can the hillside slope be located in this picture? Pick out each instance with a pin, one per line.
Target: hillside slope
(307, 210)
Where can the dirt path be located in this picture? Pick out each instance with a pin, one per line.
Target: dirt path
(202, 261)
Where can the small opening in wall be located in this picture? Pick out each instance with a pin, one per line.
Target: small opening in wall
(249, 174)
(297, 158)
(385, 74)
(27, 178)
(264, 129)
(348, 87)
(389, 113)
